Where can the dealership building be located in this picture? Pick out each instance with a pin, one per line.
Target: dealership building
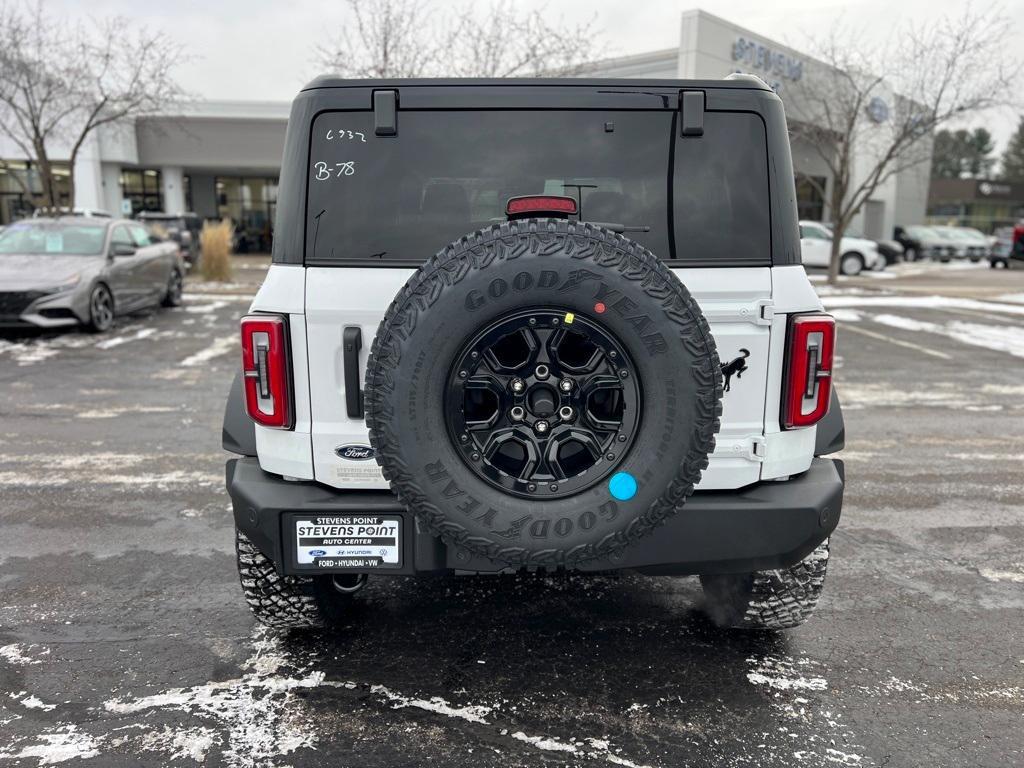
(221, 159)
(985, 204)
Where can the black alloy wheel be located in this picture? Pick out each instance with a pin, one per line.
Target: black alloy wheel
(542, 403)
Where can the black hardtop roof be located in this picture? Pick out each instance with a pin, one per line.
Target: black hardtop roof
(747, 82)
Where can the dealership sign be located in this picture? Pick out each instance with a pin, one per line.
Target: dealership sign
(994, 189)
(763, 58)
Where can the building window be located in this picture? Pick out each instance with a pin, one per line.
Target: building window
(810, 203)
(17, 176)
(143, 188)
(250, 202)
(187, 183)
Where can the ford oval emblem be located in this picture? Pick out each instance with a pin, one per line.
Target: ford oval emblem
(317, 552)
(355, 452)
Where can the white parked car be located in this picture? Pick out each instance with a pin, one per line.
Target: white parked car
(857, 254)
(969, 243)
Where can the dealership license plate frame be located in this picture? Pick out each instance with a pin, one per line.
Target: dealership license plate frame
(331, 561)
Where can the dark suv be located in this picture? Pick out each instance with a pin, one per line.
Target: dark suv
(182, 228)
(542, 325)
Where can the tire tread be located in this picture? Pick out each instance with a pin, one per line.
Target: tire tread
(281, 602)
(775, 599)
(507, 241)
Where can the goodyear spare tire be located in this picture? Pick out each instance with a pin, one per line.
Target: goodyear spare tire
(543, 393)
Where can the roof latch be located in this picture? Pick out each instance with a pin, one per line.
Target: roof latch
(691, 108)
(385, 113)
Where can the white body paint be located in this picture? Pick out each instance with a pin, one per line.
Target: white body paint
(746, 308)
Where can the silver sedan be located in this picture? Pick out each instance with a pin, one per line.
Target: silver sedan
(83, 271)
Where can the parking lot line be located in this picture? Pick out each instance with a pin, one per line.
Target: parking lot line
(897, 342)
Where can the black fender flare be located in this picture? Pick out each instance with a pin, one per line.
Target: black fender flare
(831, 436)
(239, 432)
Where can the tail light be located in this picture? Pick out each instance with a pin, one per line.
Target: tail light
(808, 387)
(265, 368)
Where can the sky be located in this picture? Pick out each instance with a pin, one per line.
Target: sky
(263, 50)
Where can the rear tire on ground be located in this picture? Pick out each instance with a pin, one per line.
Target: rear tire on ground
(851, 264)
(778, 599)
(172, 298)
(281, 602)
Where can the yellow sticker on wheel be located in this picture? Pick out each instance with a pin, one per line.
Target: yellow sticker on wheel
(569, 317)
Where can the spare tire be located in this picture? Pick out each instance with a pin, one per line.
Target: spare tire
(543, 393)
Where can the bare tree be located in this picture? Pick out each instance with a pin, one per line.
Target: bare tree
(411, 38)
(869, 112)
(61, 80)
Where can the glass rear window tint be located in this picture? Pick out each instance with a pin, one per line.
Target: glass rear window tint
(720, 192)
(448, 173)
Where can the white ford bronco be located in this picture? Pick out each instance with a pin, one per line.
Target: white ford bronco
(547, 325)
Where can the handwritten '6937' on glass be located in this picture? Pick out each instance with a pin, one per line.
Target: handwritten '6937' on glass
(325, 171)
(342, 133)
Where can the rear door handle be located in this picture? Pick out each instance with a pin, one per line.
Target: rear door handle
(352, 342)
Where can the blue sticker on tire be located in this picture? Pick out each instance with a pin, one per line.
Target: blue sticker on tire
(622, 486)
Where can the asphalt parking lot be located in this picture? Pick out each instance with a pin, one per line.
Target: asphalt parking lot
(124, 639)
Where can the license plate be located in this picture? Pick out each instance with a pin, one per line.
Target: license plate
(348, 541)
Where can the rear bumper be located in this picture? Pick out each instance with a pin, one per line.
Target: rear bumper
(764, 526)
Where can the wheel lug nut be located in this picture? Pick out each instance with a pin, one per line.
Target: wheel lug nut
(475, 456)
(531, 487)
(553, 487)
(463, 374)
(610, 457)
(542, 372)
(464, 438)
(517, 413)
(623, 374)
(565, 385)
(622, 438)
(533, 321)
(565, 413)
(518, 385)
(541, 426)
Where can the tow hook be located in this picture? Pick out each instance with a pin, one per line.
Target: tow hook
(349, 583)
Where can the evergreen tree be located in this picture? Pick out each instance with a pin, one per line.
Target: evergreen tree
(962, 153)
(947, 155)
(1013, 157)
(979, 153)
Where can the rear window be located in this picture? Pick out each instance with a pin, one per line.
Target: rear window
(447, 173)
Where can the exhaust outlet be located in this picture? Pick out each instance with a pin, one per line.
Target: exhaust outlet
(348, 583)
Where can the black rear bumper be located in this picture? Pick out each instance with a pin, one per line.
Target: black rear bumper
(764, 526)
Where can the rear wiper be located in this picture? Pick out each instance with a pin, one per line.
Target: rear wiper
(619, 228)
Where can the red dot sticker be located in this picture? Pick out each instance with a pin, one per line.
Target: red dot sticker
(599, 307)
